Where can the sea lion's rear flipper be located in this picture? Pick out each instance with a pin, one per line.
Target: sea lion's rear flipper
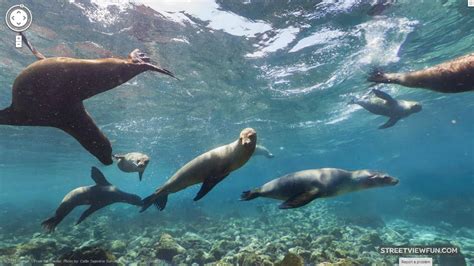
(391, 122)
(207, 185)
(140, 176)
(35, 52)
(99, 178)
(159, 199)
(77, 123)
(300, 199)
(62, 211)
(119, 156)
(384, 96)
(88, 212)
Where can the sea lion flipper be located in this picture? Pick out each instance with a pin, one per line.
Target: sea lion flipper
(118, 156)
(207, 185)
(300, 199)
(77, 123)
(391, 122)
(88, 212)
(98, 177)
(140, 175)
(35, 52)
(384, 96)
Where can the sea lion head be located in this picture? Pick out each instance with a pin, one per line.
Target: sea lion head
(248, 137)
(415, 107)
(141, 162)
(369, 178)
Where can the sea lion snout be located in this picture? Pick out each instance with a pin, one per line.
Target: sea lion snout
(416, 107)
(382, 179)
(248, 136)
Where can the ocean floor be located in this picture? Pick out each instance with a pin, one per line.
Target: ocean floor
(312, 235)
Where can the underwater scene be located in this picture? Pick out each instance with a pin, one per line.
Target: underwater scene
(240, 132)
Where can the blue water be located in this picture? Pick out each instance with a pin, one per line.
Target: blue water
(295, 97)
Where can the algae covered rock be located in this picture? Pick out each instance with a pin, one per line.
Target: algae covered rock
(118, 246)
(37, 248)
(167, 248)
(291, 259)
(250, 259)
(88, 255)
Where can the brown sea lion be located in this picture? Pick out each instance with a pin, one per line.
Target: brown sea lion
(450, 77)
(384, 104)
(98, 196)
(132, 162)
(263, 151)
(50, 92)
(208, 168)
(300, 188)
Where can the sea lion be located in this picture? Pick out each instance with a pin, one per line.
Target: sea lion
(384, 104)
(208, 168)
(50, 92)
(300, 188)
(263, 151)
(98, 196)
(377, 7)
(132, 162)
(449, 77)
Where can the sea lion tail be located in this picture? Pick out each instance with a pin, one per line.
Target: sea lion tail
(159, 201)
(50, 224)
(377, 75)
(250, 194)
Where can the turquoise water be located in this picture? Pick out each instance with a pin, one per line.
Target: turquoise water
(290, 80)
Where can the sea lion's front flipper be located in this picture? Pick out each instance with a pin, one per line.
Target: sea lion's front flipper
(99, 178)
(88, 212)
(35, 52)
(140, 175)
(391, 122)
(384, 96)
(139, 57)
(207, 185)
(77, 123)
(300, 199)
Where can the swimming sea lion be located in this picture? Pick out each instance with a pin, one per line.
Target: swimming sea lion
(384, 104)
(377, 7)
(300, 188)
(98, 196)
(449, 77)
(132, 162)
(50, 92)
(208, 168)
(263, 151)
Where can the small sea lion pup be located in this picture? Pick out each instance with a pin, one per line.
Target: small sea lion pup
(208, 168)
(384, 104)
(300, 188)
(50, 93)
(98, 196)
(450, 77)
(263, 151)
(132, 162)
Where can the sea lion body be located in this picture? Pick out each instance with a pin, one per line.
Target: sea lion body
(98, 196)
(263, 151)
(449, 77)
(209, 168)
(132, 162)
(384, 104)
(299, 188)
(50, 91)
(38, 91)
